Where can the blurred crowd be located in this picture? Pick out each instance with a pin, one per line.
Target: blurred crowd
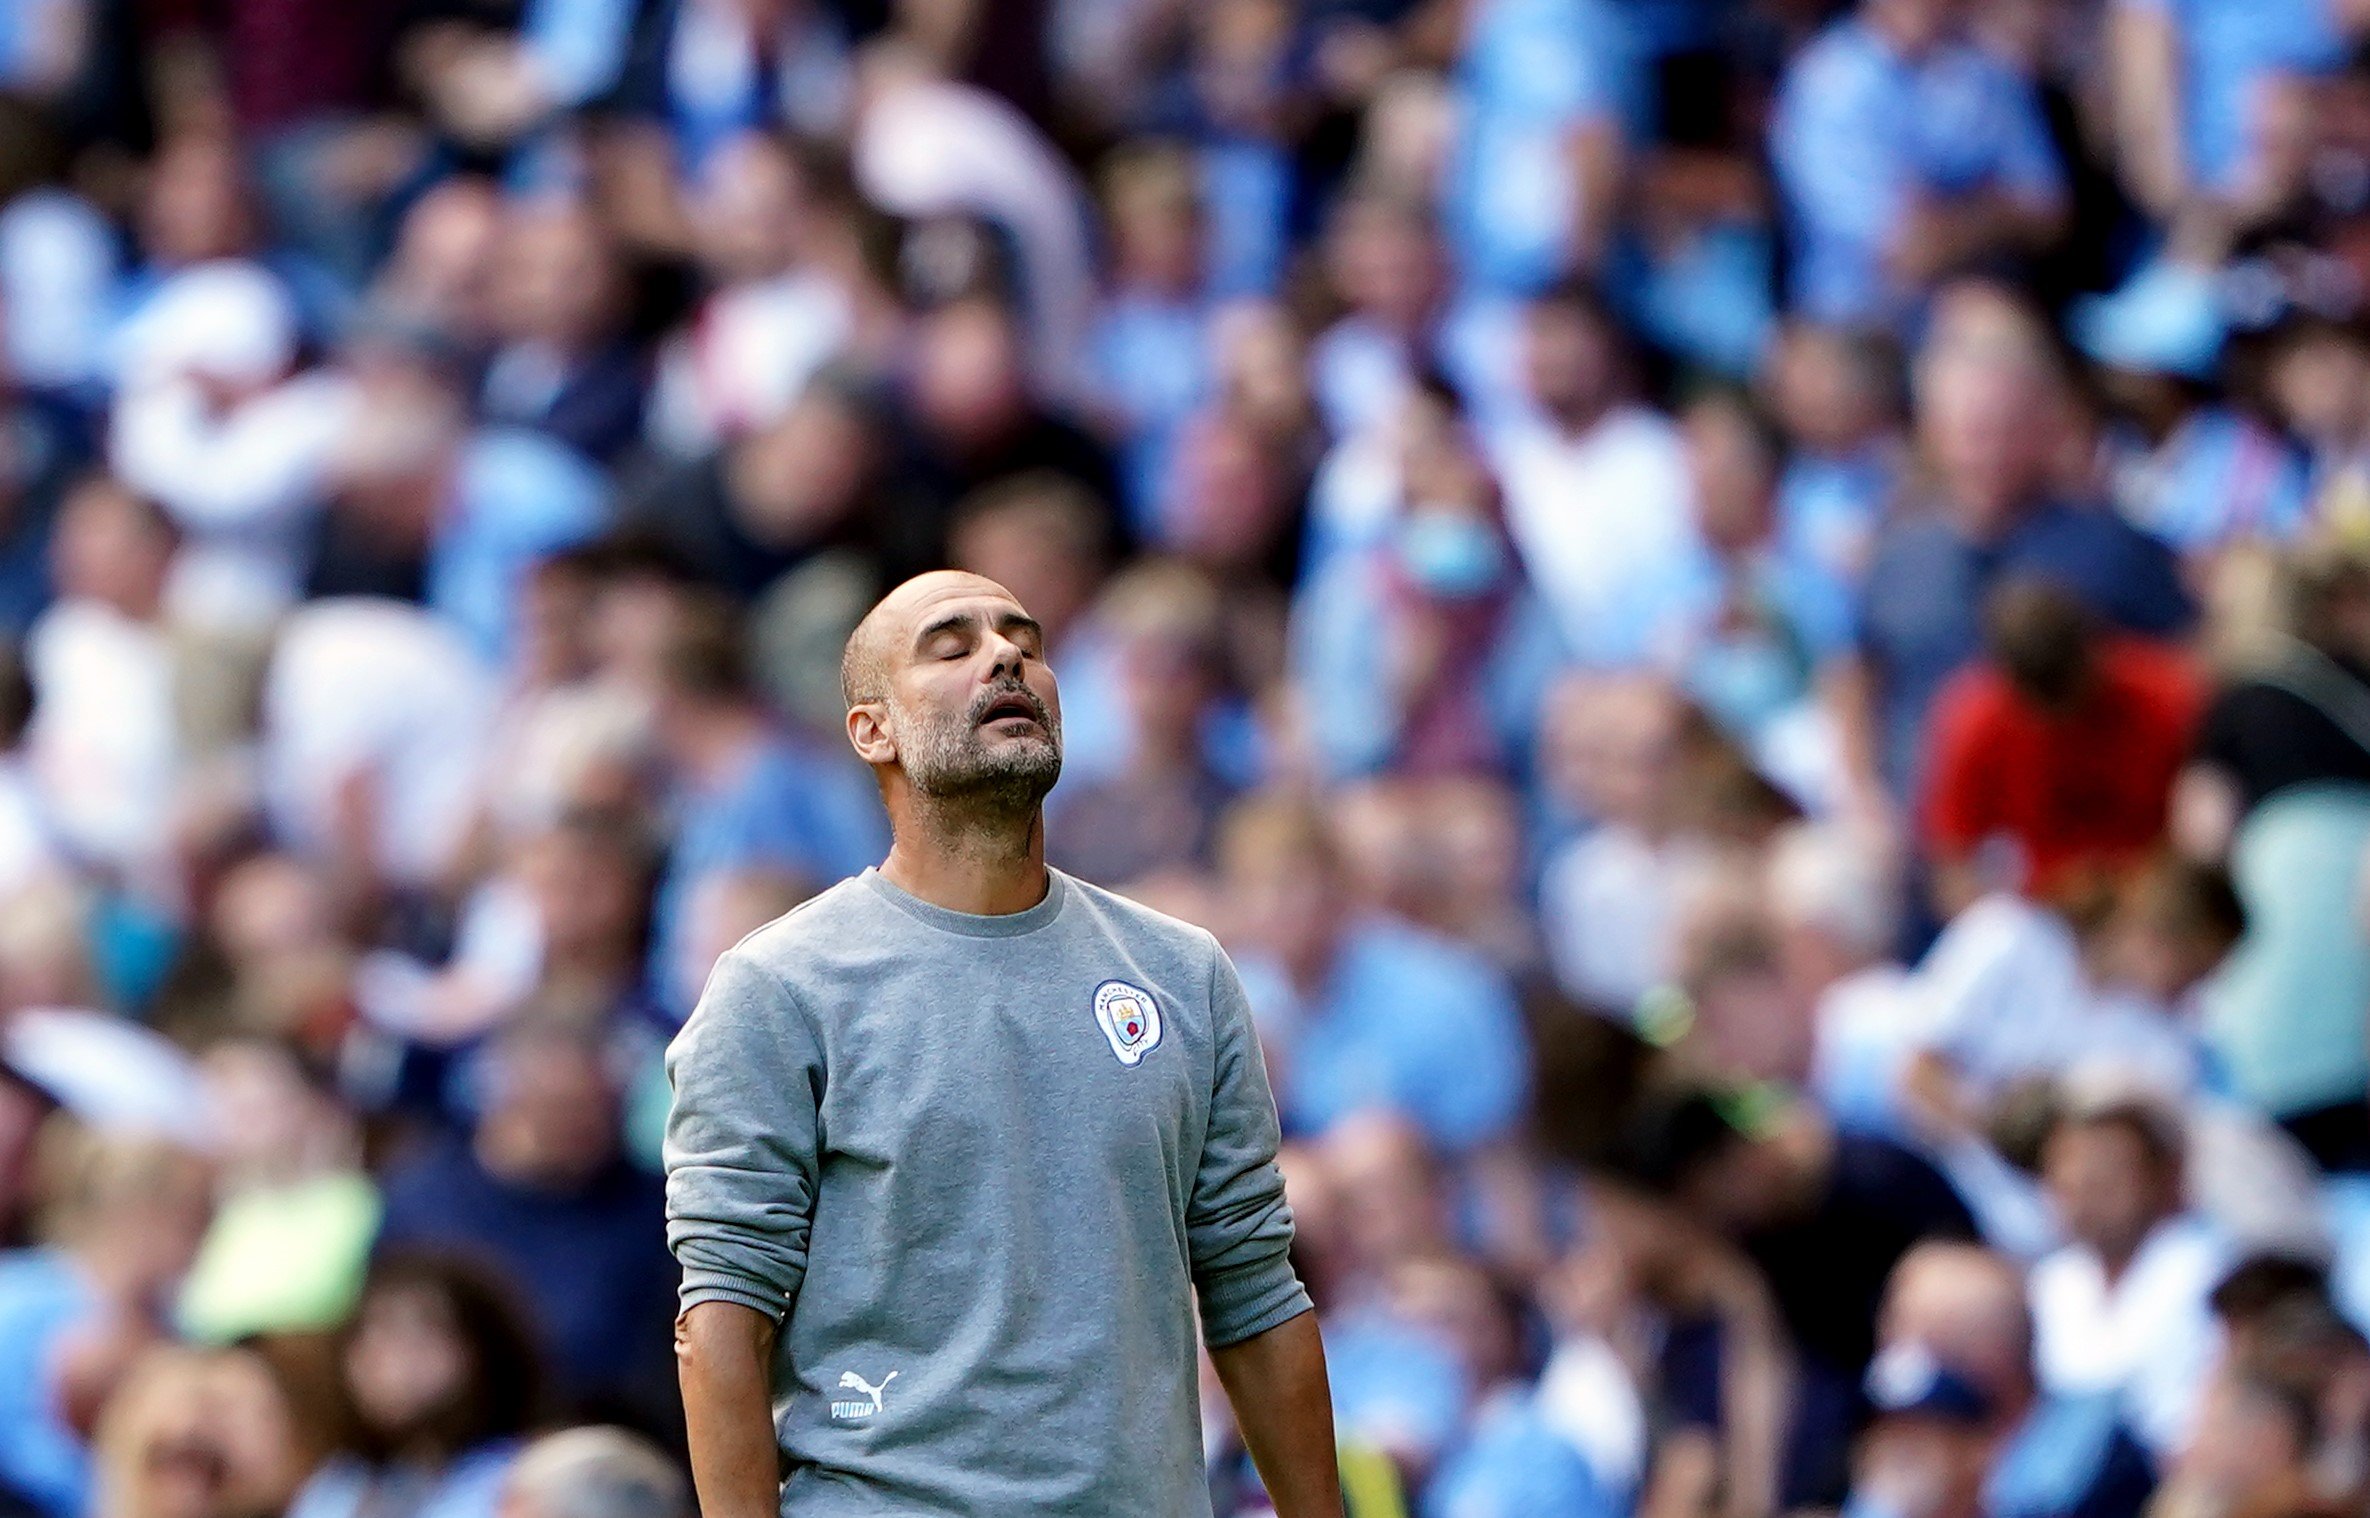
(1751, 617)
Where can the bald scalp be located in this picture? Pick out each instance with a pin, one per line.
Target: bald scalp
(864, 663)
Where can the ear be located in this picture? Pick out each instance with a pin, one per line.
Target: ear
(868, 732)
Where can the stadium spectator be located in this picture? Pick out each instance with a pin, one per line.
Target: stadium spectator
(594, 1473)
(540, 1186)
(2122, 1308)
(564, 366)
(438, 1378)
(1507, 584)
(1359, 1011)
(1907, 153)
(120, 1215)
(2056, 754)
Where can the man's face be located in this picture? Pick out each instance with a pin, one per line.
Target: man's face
(2108, 1189)
(973, 706)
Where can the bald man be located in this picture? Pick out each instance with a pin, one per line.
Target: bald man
(959, 1144)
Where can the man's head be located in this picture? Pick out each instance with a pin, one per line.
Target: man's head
(1965, 1306)
(550, 1120)
(2044, 640)
(2112, 1167)
(1572, 353)
(1913, 26)
(594, 1473)
(1992, 401)
(950, 699)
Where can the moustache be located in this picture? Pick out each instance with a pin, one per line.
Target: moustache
(996, 695)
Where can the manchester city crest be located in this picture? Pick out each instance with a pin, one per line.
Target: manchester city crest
(1129, 1018)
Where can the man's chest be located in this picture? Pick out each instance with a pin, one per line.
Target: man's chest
(968, 1074)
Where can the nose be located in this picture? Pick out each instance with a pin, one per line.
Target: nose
(1005, 658)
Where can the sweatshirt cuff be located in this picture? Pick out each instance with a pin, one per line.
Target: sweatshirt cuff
(711, 1286)
(1245, 1314)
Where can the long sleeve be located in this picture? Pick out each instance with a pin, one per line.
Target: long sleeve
(1238, 1225)
(742, 1140)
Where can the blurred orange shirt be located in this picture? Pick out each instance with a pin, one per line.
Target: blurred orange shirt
(2075, 791)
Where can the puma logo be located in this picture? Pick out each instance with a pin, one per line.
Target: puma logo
(850, 1381)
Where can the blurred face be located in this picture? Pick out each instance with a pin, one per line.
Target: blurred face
(1228, 500)
(2322, 384)
(1036, 550)
(406, 1362)
(196, 207)
(554, 1118)
(1568, 360)
(1819, 393)
(555, 625)
(1157, 236)
(270, 1118)
(1914, 25)
(1735, 477)
(256, 1435)
(799, 478)
(1986, 436)
(588, 898)
(749, 208)
(2107, 1190)
(442, 266)
(111, 549)
(1287, 904)
(555, 277)
(973, 709)
(967, 379)
(1168, 683)
(1388, 1191)
(1262, 361)
(1747, 1024)
(1384, 263)
(1966, 1308)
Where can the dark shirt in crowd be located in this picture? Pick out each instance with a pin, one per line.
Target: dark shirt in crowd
(590, 1262)
(2304, 721)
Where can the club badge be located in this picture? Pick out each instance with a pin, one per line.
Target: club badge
(1129, 1018)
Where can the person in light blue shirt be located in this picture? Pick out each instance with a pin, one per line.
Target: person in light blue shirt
(1361, 1012)
(1903, 152)
(1148, 351)
(2197, 76)
(516, 498)
(1546, 85)
(44, 1297)
(1516, 1463)
(748, 796)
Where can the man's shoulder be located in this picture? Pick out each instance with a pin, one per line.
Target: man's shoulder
(823, 919)
(1137, 923)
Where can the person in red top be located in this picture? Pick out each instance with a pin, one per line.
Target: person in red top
(2053, 759)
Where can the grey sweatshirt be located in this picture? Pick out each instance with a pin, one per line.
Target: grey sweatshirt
(979, 1168)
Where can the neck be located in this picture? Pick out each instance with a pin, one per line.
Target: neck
(989, 865)
(1579, 418)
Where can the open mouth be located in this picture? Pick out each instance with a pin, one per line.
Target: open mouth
(1009, 706)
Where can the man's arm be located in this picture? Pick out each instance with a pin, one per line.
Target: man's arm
(724, 1354)
(1276, 1381)
(740, 1157)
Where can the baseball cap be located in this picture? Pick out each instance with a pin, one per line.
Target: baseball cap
(1907, 1381)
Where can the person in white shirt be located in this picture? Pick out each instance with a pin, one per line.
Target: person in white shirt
(214, 421)
(1598, 494)
(771, 318)
(2122, 1308)
(1610, 900)
(103, 748)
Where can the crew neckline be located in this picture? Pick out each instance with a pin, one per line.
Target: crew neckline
(973, 924)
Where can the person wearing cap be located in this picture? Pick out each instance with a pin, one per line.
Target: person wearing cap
(1953, 1400)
